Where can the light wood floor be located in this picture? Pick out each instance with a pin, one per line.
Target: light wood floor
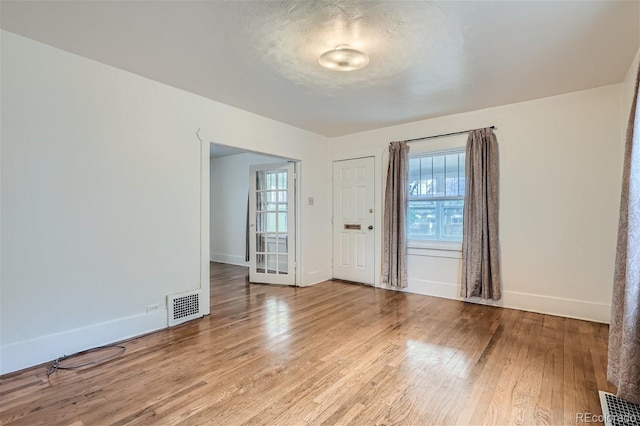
(333, 353)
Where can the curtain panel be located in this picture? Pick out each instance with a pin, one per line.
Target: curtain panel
(394, 237)
(480, 244)
(623, 368)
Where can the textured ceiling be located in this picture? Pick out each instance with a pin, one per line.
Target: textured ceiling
(427, 58)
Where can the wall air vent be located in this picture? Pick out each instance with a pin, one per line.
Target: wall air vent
(182, 307)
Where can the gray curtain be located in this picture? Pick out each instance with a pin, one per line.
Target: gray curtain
(623, 369)
(394, 237)
(480, 250)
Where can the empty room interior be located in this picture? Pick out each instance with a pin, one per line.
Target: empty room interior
(319, 212)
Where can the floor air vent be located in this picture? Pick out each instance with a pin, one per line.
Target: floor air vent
(184, 307)
(616, 411)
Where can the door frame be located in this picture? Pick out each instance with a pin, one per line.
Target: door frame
(205, 140)
(378, 172)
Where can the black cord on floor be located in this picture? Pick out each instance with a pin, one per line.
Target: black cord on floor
(56, 364)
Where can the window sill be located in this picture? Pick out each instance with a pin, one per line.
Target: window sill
(446, 249)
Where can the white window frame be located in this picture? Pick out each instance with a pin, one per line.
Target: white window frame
(435, 147)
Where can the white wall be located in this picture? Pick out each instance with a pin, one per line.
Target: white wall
(1, 68)
(101, 198)
(229, 190)
(560, 169)
(628, 87)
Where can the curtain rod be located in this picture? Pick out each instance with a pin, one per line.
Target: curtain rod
(446, 134)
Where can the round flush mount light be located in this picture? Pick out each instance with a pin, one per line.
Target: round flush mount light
(343, 58)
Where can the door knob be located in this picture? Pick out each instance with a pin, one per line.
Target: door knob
(370, 227)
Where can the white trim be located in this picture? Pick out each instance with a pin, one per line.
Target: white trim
(435, 245)
(319, 276)
(430, 252)
(570, 308)
(551, 305)
(28, 353)
(205, 280)
(229, 259)
(297, 254)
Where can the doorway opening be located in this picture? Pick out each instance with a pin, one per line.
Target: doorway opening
(252, 214)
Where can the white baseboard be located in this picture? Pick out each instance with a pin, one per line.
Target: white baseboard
(570, 308)
(228, 258)
(315, 277)
(27, 353)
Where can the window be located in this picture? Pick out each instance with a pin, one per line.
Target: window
(436, 196)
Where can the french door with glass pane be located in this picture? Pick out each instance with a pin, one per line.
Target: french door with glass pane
(272, 224)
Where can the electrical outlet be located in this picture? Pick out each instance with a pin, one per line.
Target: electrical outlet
(151, 308)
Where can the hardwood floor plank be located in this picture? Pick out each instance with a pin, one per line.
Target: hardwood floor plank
(332, 353)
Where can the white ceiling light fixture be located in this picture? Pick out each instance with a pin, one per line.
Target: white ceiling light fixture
(343, 58)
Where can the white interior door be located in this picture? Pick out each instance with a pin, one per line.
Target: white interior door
(272, 224)
(353, 220)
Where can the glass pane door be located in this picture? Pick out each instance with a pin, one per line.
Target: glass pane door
(272, 215)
